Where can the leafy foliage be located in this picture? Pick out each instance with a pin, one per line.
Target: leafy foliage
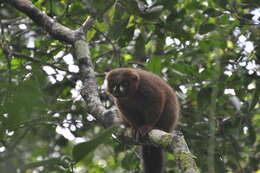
(81, 150)
(43, 118)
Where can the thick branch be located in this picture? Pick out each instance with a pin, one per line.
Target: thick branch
(170, 142)
(55, 29)
(89, 92)
(176, 144)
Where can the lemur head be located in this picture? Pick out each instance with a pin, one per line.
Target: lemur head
(122, 82)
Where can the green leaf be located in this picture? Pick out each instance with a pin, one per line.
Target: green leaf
(119, 21)
(221, 3)
(252, 134)
(126, 37)
(82, 150)
(140, 47)
(118, 28)
(255, 98)
(203, 98)
(154, 65)
(131, 6)
(212, 12)
(153, 13)
(49, 162)
(26, 98)
(101, 6)
(205, 28)
(90, 34)
(129, 160)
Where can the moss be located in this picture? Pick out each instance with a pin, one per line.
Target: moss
(187, 163)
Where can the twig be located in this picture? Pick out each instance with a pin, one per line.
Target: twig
(19, 55)
(55, 29)
(87, 24)
(107, 39)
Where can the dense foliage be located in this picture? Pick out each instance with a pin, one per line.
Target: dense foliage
(209, 51)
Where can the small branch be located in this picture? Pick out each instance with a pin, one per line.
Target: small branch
(115, 52)
(5, 47)
(16, 21)
(55, 29)
(40, 62)
(17, 140)
(87, 24)
(63, 161)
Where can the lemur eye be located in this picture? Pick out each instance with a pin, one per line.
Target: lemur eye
(121, 89)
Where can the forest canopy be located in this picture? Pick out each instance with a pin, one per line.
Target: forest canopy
(207, 50)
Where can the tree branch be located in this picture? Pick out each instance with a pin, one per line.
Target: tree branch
(19, 55)
(89, 92)
(176, 144)
(87, 24)
(55, 29)
(171, 142)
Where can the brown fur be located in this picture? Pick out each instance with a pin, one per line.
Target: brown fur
(146, 102)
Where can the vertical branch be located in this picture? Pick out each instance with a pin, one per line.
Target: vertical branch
(212, 119)
(89, 92)
(7, 52)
